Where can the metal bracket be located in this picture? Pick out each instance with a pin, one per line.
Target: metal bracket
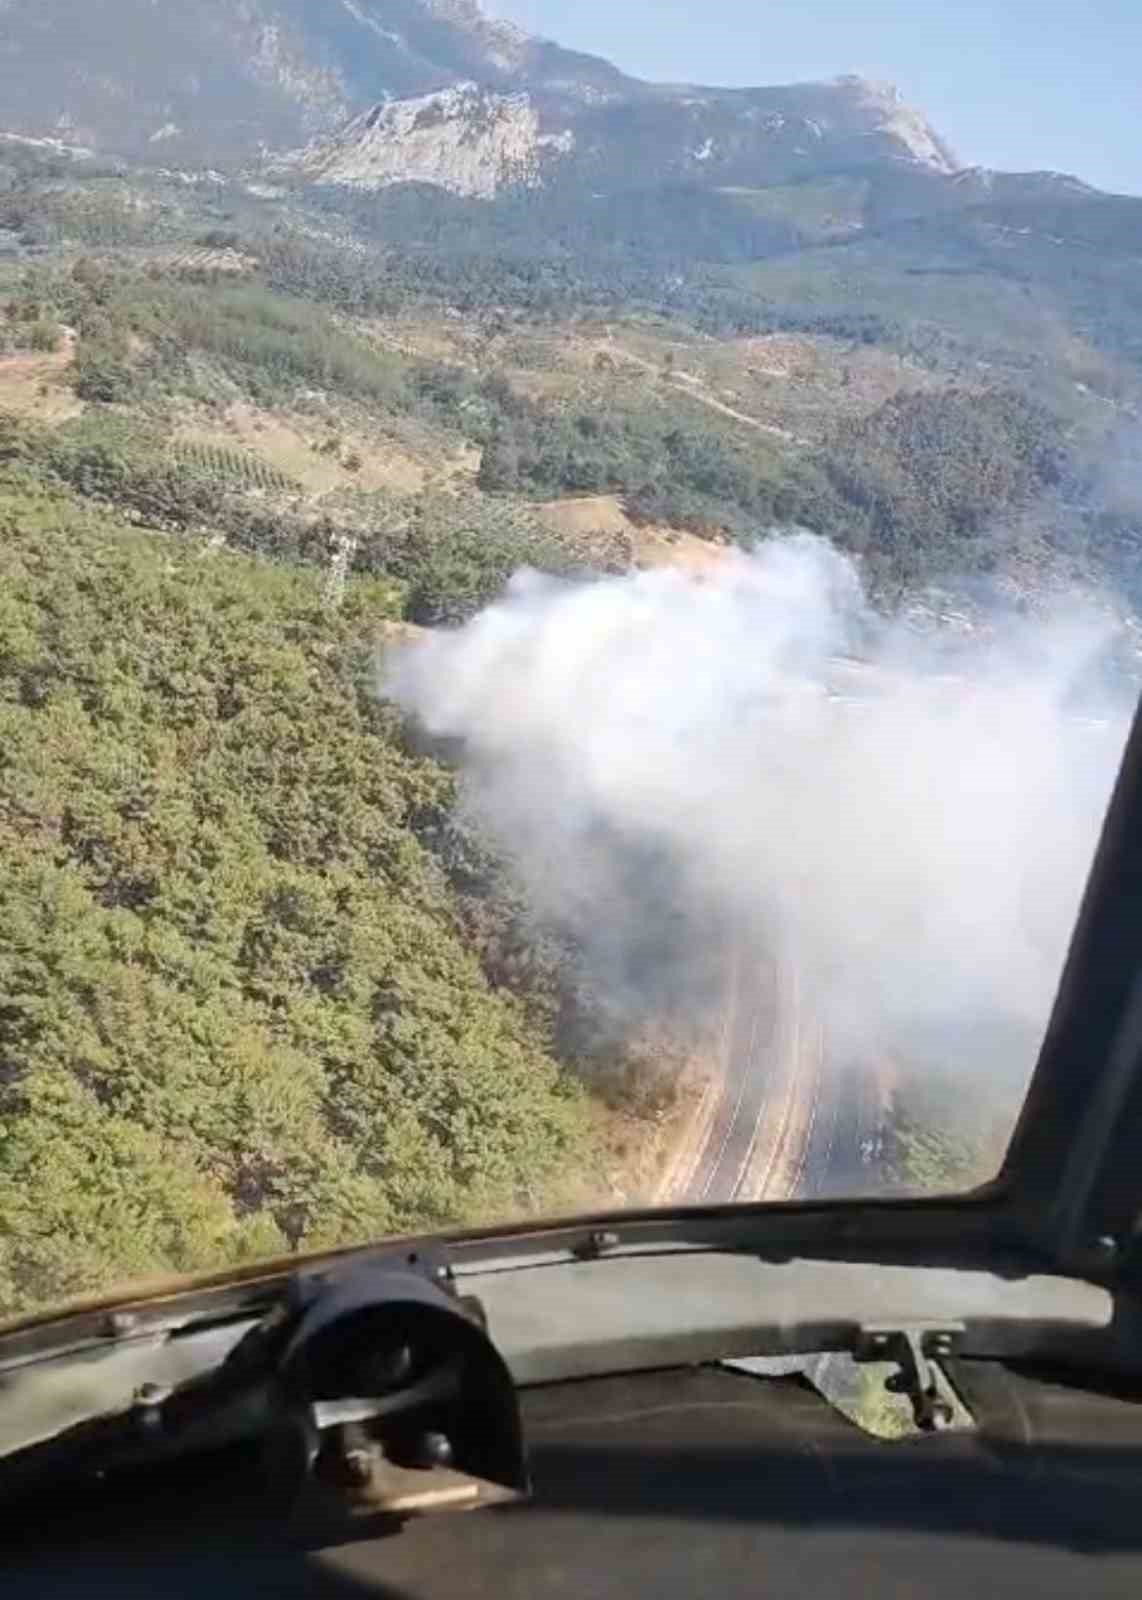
(915, 1350)
(390, 1398)
(596, 1244)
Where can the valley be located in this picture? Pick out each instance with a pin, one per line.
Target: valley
(307, 349)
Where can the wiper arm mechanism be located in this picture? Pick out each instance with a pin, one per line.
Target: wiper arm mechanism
(376, 1387)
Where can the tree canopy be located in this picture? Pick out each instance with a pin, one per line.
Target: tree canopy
(238, 1014)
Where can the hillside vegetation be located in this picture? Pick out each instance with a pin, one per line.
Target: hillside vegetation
(239, 1013)
(261, 990)
(914, 480)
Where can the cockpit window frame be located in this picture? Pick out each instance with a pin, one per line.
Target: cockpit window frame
(1072, 1179)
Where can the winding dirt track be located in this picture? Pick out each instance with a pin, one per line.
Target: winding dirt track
(687, 383)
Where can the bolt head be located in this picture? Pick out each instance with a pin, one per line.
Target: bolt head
(434, 1449)
(358, 1466)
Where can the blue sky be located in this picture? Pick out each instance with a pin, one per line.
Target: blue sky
(1018, 84)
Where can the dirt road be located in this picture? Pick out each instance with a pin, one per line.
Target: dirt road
(793, 1119)
(688, 383)
(747, 1105)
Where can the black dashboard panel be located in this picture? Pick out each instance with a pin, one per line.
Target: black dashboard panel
(677, 1483)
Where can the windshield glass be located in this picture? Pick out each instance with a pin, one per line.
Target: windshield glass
(564, 641)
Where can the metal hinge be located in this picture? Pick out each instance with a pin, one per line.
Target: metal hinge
(915, 1350)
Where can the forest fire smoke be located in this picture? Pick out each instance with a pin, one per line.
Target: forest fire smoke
(663, 754)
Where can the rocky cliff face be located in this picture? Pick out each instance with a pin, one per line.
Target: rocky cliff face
(386, 91)
(894, 121)
(467, 140)
(476, 141)
(746, 137)
(225, 78)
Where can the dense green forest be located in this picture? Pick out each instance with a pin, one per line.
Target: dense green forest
(240, 1015)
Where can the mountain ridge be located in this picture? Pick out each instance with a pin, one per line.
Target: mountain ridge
(210, 82)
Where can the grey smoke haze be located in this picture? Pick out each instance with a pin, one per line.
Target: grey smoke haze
(679, 763)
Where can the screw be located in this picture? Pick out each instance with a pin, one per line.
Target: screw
(433, 1450)
(148, 1401)
(358, 1466)
(1106, 1248)
(596, 1244)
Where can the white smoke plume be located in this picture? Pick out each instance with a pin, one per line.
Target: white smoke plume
(677, 762)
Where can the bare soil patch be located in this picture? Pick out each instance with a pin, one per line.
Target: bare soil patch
(36, 384)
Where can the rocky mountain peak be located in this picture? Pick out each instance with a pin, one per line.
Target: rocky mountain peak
(507, 45)
(357, 86)
(894, 118)
(466, 139)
